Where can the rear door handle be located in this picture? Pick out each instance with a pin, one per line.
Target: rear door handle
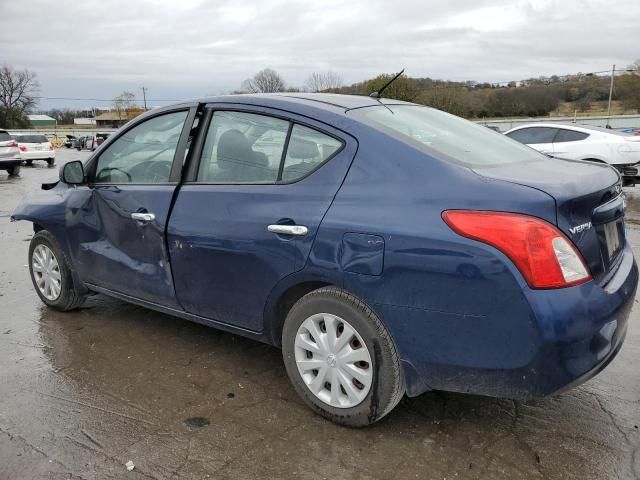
(143, 217)
(296, 230)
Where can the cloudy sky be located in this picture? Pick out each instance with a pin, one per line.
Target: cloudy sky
(187, 48)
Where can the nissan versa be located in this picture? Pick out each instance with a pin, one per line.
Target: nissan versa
(386, 247)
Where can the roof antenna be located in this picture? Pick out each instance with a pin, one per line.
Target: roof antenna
(379, 92)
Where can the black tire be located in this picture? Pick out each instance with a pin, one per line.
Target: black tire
(69, 298)
(51, 162)
(29, 163)
(14, 171)
(387, 387)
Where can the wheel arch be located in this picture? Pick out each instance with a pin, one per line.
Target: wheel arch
(280, 304)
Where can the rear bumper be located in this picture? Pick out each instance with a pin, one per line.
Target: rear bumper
(576, 332)
(38, 154)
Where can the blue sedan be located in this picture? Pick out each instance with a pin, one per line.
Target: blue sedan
(388, 248)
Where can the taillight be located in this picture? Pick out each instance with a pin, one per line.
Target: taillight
(543, 254)
(23, 148)
(11, 143)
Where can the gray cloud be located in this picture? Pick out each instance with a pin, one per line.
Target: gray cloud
(97, 48)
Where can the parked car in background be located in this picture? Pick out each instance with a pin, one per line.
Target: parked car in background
(71, 142)
(9, 154)
(35, 147)
(387, 247)
(91, 142)
(581, 142)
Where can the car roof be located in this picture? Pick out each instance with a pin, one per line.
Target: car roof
(325, 101)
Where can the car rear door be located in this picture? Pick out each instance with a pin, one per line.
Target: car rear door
(570, 144)
(540, 138)
(258, 186)
(116, 227)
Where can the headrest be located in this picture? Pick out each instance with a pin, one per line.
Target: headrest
(303, 149)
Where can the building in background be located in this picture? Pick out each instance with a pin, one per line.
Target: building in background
(84, 122)
(42, 121)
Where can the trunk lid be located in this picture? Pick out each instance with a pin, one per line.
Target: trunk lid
(589, 205)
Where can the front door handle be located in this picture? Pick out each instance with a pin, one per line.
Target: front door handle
(143, 217)
(296, 230)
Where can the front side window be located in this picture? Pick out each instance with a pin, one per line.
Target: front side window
(143, 154)
(534, 135)
(458, 140)
(242, 148)
(569, 136)
(306, 151)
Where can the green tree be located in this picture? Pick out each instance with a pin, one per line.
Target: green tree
(403, 88)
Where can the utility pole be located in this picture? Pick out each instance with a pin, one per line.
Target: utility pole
(144, 96)
(613, 74)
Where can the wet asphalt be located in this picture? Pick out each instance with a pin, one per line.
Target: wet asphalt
(83, 393)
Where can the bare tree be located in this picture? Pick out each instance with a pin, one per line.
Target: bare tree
(122, 104)
(265, 81)
(323, 82)
(18, 96)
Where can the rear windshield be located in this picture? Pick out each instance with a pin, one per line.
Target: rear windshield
(452, 137)
(30, 138)
(4, 137)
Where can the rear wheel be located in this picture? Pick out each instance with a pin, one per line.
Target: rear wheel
(14, 171)
(341, 359)
(50, 273)
(50, 162)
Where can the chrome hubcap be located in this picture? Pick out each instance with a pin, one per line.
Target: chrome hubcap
(333, 360)
(46, 272)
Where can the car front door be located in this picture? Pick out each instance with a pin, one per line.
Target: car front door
(248, 213)
(540, 138)
(117, 233)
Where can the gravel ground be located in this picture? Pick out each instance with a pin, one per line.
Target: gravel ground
(83, 393)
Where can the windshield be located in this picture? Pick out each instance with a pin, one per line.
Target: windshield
(454, 138)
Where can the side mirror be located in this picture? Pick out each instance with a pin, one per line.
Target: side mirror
(72, 173)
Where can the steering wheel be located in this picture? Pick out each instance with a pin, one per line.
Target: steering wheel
(101, 174)
(157, 171)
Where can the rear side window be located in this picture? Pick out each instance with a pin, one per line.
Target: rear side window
(569, 136)
(307, 149)
(243, 147)
(534, 135)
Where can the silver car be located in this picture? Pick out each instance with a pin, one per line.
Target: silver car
(9, 154)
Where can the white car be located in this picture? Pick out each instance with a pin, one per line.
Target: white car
(35, 147)
(582, 142)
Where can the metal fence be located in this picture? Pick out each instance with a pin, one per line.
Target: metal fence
(616, 121)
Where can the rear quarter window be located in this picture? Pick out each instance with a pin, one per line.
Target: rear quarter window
(4, 137)
(569, 136)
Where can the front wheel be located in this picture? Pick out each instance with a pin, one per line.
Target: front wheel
(50, 162)
(50, 273)
(341, 359)
(14, 171)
